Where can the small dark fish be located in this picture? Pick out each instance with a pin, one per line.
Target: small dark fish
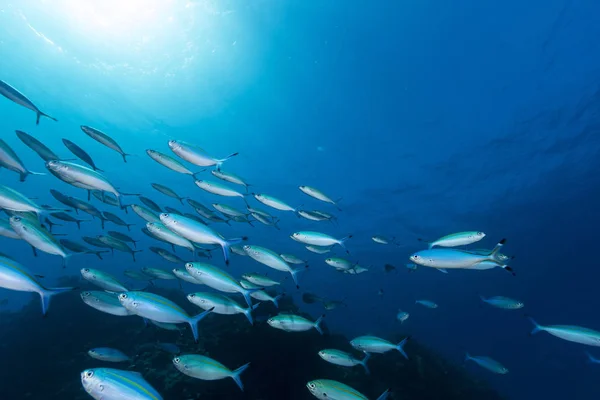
(40, 148)
(310, 298)
(11, 161)
(63, 216)
(14, 95)
(167, 255)
(64, 199)
(110, 199)
(380, 292)
(173, 210)
(81, 154)
(96, 242)
(51, 225)
(106, 140)
(79, 248)
(167, 191)
(116, 220)
(117, 245)
(168, 347)
(150, 204)
(123, 237)
(389, 268)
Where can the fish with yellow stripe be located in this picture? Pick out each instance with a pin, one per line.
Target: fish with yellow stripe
(14, 276)
(160, 309)
(115, 384)
(326, 389)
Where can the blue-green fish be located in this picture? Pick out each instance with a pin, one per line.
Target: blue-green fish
(19, 98)
(427, 303)
(488, 363)
(326, 389)
(115, 384)
(108, 354)
(373, 344)
(106, 302)
(40, 148)
(12, 200)
(457, 239)
(205, 368)
(166, 235)
(295, 323)
(229, 177)
(218, 279)
(14, 276)
(503, 302)
(103, 280)
(145, 213)
(259, 279)
(184, 276)
(273, 202)
(158, 308)
(570, 333)
(339, 357)
(220, 304)
(158, 273)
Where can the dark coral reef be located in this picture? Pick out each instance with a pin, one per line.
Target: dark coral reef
(43, 357)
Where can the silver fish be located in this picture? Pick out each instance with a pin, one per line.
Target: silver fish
(170, 162)
(487, 363)
(196, 155)
(108, 354)
(82, 177)
(106, 302)
(38, 237)
(167, 191)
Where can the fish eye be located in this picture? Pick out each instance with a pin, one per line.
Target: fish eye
(89, 374)
(312, 385)
(122, 296)
(191, 295)
(86, 270)
(176, 360)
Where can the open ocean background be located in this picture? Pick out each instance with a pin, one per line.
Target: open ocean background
(426, 117)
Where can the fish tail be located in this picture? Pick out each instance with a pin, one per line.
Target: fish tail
(248, 312)
(342, 242)
(222, 160)
(536, 327)
(364, 363)
(193, 321)
(592, 359)
(227, 245)
(42, 114)
(400, 347)
(384, 395)
(318, 323)
(196, 173)
(125, 155)
(277, 298)
(508, 269)
(492, 255)
(133, 254)
(467, 356)
(235, 375)
(295, 273)
(46, 296)
(129, 229)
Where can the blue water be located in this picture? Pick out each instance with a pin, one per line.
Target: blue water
(426, 117)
